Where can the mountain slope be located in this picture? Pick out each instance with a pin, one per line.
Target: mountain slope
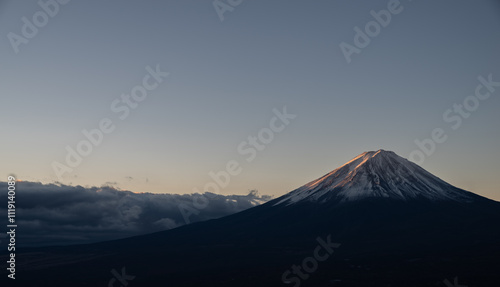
(377, 174)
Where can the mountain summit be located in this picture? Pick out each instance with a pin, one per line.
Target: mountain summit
(376, 174)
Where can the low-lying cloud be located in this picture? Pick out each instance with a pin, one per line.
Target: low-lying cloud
(56, 214)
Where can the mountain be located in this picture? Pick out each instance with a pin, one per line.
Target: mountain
(377, 174)
(378, 220)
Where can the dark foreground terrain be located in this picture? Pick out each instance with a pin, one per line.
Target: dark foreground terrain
(380, 246)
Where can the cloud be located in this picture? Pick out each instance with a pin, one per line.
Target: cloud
(55, 214)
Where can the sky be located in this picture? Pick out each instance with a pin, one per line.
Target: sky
(206, 77)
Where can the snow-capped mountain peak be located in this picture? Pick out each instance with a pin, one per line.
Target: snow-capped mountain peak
(376, 174)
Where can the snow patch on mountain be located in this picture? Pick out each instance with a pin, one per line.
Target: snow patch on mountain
(376, 174)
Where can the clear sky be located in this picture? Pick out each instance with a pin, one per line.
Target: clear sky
(226, 77)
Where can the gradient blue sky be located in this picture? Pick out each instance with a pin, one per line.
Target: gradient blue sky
(226, 78)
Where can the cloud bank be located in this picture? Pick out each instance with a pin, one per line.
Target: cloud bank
(56, 214)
